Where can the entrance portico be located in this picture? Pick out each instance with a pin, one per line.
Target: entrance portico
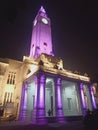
(48, 91)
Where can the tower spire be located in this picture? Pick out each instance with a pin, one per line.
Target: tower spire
(42, 12)
(42, 9)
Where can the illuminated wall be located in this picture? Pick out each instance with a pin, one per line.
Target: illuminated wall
(11, 84)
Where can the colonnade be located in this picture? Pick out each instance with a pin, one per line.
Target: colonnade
(39, 113)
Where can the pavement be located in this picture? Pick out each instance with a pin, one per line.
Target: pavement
(25, 125)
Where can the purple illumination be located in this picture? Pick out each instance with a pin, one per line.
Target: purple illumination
(36, 89)
(23, 105)
(42, 9)
(25, 97)
(82, 96)
(59, 93)
(41, 41)
(41, 96)
(93, 98)
(40, 109)
(59, 110)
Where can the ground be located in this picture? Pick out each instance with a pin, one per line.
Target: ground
(16, 125)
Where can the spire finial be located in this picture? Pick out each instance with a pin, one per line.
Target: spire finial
(42, 9)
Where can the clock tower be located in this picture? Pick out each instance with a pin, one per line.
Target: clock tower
(41, 41)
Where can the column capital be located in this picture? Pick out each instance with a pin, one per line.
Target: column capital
(25, 86)
(40, 76)
(58, 80)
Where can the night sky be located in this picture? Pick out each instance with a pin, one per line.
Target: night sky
(74, 30)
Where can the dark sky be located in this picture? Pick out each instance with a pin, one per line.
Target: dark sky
(74, 31)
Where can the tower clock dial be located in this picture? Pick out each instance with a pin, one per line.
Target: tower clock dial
(44, 20)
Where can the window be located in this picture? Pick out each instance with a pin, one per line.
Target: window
(11, 78)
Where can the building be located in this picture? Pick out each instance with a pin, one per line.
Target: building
(39, 84)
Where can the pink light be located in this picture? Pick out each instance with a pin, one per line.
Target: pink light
(93, 98)
(41, 93)
(25, 96)
(59, 111)
(41, 36)
(35, 103)
(59, 96)
(82, 96)
(41, 96)
(59, 93)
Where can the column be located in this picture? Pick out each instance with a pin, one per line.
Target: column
(92, 97)
(83, 99)
(58, 98)
(23, 105)
(39, 105)
(34, 116)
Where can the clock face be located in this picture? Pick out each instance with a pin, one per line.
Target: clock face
(35, 22)
(45, 21)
